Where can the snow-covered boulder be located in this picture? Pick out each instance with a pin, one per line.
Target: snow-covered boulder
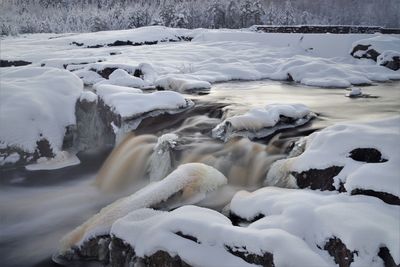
(122, 105)
(262, 122)
(390, 59)
(372, 48)
(37, 108)
(194, 236)
(188, 184)
(354, 230)
(122, 78)
(181, 83)
(358, 158)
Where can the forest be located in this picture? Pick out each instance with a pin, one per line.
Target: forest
(59, 16)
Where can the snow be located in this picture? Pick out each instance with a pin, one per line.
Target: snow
(214, 56)
(63, 63)
(31, 100)
(181, 83)
(192, 180)
(355, 91)
(331, 147)
(131, 102)
(149, 231)
(260, 122)
(362, 223)
(88, 96)
(138, 35)
(122, 78)
(387, 56)
(12, 158)
(61, 160)
(380, 43)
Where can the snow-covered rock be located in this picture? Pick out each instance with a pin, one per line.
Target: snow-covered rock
(355, 92)
(203, 237)
(37, 106)
(385, 50)
(70, 63)
(188, 184)
(390, 59)
(122, 78)
(129, 103)
(360, 158)
(262, 122)
(181, 83)
(354, 230)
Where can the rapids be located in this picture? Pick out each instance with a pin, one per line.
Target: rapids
(38, 207)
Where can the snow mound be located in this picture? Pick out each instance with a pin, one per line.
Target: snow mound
(88, 96)
(346, 157)
(316, 217)
(31, 101)
(261, 122)
(137, 36)
(203, 237)
(181, 83)
(131, 102)
(188, 184)
(122, 78)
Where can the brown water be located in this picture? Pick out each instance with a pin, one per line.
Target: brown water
(38, 208)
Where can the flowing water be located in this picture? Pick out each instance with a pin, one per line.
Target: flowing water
(38, 208)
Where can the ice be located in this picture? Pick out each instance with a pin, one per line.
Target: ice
(192, 181)
(31, 100)
(61, 160)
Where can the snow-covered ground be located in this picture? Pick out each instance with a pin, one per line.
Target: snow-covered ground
(212, 56)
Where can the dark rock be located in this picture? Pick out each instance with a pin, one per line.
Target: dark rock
(194, 239)
(367, 52)
(121, 253)
(317, 179)
(338, 250)
(393, 64)
(266, 260)
(387, 258)
(105, 73)
(385, 197)
(15, 63)
(237, 220)
(368, 155)
(289, 78)
(162, 258)
(43, 149)
(95, 249)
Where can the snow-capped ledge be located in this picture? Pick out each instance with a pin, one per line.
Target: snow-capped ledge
(37, 108)
(358, 158)
(262, 122)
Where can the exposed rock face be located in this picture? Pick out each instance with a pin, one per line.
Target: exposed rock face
(15, 63)
(390, 59)
(237, 220)
(318, 179)
(121, 254)
(368, 155)
(162, 258)
(338, 250)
